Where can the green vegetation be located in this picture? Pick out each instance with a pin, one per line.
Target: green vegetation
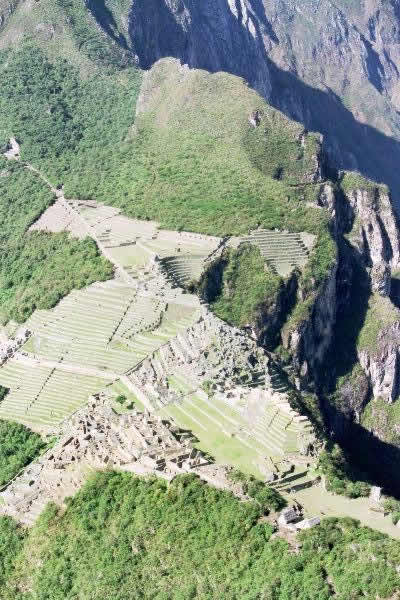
(383, 418)
(341, 477)
(37, 269)
(392, 506)
(40, 269)
(127, 538)
(247, 286)
(266, 497)
(108, 50)
(59, 118)
(121, 399)
(3, 392)
(354, 181)
(381, 314)
(189, 153)
(11, 544)
(18, 447)
(276, 149)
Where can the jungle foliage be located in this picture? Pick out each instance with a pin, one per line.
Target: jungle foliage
(246, 286)
(18, 447)
(127, 538)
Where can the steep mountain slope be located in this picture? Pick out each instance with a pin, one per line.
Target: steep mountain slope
(333, 67)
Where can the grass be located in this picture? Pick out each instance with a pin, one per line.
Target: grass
(224, 448)
(354, 181)
(380, 315)
(118, 388)
(184, 160)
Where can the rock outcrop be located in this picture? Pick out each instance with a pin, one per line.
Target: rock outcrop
(6, 10)
(382, 363)
(310, 340)
(377, 232)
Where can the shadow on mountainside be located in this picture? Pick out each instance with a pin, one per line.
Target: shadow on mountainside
(224, 44)
(378, 460)
(106, 21)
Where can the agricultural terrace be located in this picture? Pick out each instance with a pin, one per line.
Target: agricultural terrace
(98, 336)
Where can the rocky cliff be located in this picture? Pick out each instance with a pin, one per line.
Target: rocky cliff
(7, 7)
(310, 339)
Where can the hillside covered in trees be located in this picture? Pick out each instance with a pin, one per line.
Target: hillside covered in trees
(122, 537)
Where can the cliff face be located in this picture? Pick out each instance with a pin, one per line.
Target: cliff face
(7, 8)
(364, 210)
(359, 286)
(382, 363)
(214, 35)
(377, 233)
(309, 342)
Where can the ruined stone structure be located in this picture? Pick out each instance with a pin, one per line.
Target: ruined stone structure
(11, 346)
(97, 438)
(183, 368)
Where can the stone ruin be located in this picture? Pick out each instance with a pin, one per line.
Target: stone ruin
(97, 438)
(10, 347)
(12, 151)
(209, 351)
(291, 518)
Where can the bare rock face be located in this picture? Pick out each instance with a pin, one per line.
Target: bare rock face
(6, 10)
(216, 35)
(381, 279)
(354, 395)
(378, 227)
(311, 339)
(382, 365)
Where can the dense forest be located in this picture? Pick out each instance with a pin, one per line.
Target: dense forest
(18, 447)
(126, 538)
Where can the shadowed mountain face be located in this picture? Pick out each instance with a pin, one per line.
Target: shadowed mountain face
(204, 34)
(335, 67)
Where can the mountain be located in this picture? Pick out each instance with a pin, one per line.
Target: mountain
(334, 67)
(199, 299)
